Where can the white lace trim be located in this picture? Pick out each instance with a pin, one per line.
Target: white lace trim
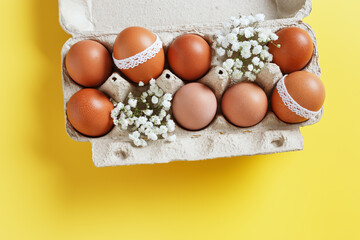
(140, 57)
(291, 103)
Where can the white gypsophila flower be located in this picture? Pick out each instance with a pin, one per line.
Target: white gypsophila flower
(129, 113)
(166, 104)
(274, 37)
(119, 105)
(236, 31)
(231, 38)
(132, 102)
(152, 82)
(235, 46)
(167, 97)
(141, 129)
(244, 21)
(250, 67)
(220, 51)
(270, 58)
(250, 75)
(238, 63)
(225, 43)
(148, 131)
(116, 122)
(170, 125)
(148, 112)
(260, 17)
(127, 107)
(154, 88)
(164, 135)
(153, 136)
(114, 113)
(262, 38)
(237, 74)
(251, 19)
(159, 92)
(261, 64)
(171, 138)
(137, 142)
(249, 32)
(228, 64)
(246, 45)
(162, 114)
(245, 54)
(141, 84)
(154, 100)
(257, 50)
(256, 61)
(229, 53)
(254, 43)
(142, 120)
(163, 129)
(134, 135)
(149, 125)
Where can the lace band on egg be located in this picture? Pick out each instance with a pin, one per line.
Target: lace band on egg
(140, 57)
(291, 103)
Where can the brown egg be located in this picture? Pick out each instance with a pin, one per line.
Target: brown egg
(189, 57)
(194, 106)
(88, 63)
(244, 104)
(306, 89)
(88, 111)
(132, 41)
(296, 49)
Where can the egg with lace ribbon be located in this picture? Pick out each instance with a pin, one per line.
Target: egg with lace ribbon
(298, 97)
(139, 54)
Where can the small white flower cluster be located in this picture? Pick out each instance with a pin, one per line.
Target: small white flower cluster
(245, 46)
(147, 117)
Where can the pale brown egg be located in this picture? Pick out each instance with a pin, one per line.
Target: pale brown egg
(132, 41)
(189, 57)
(244, 104)
(296, 49)
(88, 63)
(306, 89)
(194, 106)
(88, 111)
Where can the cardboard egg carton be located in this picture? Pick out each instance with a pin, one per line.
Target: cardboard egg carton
(102, 20)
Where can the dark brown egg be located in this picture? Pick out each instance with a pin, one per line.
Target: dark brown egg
(88, 111)
(88, 63)
(132, 41)
(189, 57)
(194, 106)
(296, 49)
(244, 104)
(306, 89)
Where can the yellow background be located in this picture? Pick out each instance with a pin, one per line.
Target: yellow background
(49, 188)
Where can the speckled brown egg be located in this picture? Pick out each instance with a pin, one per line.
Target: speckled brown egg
(189, 57)
(296, 49)
(244, 104)
(134, 40)
(88, 111)
(194, 106)
(88, 63)
(306, 89)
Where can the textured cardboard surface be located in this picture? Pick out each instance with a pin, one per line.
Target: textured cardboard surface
(220, 138)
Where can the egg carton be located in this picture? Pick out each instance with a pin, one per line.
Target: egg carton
(102, 20)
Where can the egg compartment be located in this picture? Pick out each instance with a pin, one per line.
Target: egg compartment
(220, 138)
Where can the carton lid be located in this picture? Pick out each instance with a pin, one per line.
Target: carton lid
(83, 17)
